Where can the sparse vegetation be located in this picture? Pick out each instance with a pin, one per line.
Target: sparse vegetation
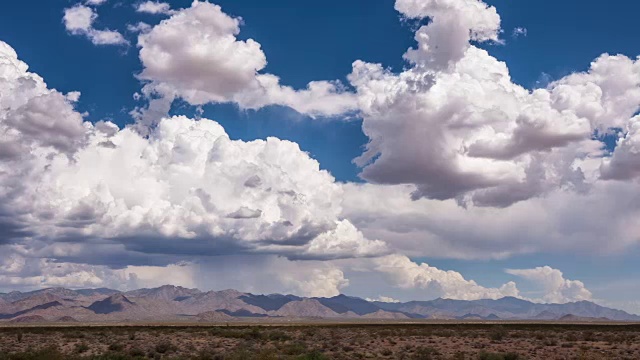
(425, 353)
(509, 341)
(81, 348)
(498, 333)
(164, 347)
(498, 356)
(116, 347)
(136, 352)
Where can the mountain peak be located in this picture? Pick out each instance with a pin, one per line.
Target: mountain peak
(114, 303)
(229, 292)
(165, 292)
(171, 287)
(306, 308)
(119, 297)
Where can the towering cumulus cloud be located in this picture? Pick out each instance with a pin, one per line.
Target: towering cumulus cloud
(456, 126)
(557, 288)
(187, 180)
(34, 122)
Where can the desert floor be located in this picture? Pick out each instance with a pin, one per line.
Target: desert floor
(324, 341)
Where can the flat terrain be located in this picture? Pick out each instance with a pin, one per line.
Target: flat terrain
(324, 341)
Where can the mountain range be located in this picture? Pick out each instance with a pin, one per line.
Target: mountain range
(175, 303)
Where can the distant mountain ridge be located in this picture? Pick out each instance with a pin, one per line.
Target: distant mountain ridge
(175, 303)
(507, 308)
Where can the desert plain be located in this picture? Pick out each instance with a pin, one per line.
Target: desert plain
(323, 340)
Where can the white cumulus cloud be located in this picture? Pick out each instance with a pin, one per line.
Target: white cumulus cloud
(196, 55)
(189, 181)
(456, 126)
(557, 289)
(154, 7)
(407, 274)
(79, 20)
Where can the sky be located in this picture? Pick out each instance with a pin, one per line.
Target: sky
(406, 149)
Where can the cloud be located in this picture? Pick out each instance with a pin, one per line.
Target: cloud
(224, 69)
(453, 25)
(266, 274)
(319, 283)
(140, 27)
(562, 222)
(35, 122)
(455, 125)
(79, 20)
(20, 270)
(407, 274)
(630, 306)
(384, 299)
(519, 31)
(95, 2)
(181, 274)
(185, 188)
(624, 165)
(557, 289)
(154, 7)
(33, 116)
(23, 269)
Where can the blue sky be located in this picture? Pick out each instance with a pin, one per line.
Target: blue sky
(305, 42)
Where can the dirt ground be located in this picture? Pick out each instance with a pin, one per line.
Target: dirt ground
(357, 341)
